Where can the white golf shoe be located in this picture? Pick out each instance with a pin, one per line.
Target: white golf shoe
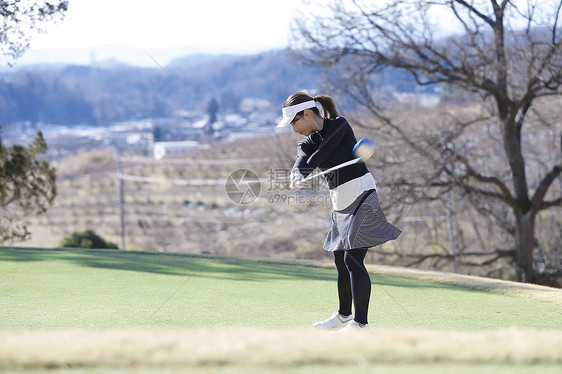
(336, 321)
(354, 326)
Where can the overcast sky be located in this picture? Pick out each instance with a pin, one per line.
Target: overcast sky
(214, 26)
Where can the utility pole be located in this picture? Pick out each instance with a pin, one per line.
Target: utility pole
(121, 200)
(452, 245)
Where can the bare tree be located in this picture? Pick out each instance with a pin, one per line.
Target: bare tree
(499, 154)
(19, 18)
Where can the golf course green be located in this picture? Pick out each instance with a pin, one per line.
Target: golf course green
(86, 294)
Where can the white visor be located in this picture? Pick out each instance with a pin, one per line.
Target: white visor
(290, 112)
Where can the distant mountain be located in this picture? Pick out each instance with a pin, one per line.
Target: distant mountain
(109, 91)
(198, 60)
(270, 75)
(82, 56)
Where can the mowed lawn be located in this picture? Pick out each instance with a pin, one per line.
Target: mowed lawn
(86, 311)
(55, 289)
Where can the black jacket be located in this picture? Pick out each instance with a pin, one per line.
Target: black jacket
(327, 148)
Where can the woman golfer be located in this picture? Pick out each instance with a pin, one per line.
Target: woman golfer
(358, 221)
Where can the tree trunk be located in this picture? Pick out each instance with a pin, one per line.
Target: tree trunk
(525, 244)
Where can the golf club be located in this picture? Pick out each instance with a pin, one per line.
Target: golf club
(364, 149)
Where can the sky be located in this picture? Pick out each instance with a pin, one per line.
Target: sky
(139, 31)
(127, 29)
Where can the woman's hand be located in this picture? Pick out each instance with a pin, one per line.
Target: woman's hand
(296, 179)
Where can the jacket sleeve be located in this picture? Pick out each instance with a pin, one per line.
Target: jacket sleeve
(309, 156)
(333, 138)
(304, 150)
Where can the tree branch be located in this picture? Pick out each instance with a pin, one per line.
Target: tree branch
(418, 259)
(472, 9)
(538, 199)
(550, 204)
(505, 194)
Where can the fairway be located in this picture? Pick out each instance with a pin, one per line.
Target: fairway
(85, 289)
(88, 294)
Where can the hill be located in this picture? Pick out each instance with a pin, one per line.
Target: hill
(166, 211)
(106, 92)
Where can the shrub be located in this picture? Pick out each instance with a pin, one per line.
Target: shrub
(86, 239)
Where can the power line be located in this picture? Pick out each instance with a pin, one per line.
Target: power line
(191, 161)
(178, 182)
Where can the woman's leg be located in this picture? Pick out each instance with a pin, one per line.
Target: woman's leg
(344, 284)
(360, 282)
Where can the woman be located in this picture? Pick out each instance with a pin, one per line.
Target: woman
(358, 221)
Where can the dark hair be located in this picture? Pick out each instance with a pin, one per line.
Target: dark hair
(328, 103)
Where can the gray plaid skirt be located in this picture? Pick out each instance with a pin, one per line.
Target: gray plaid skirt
(360, 225)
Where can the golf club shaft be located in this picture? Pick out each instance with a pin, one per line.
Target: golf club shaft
(347, 163)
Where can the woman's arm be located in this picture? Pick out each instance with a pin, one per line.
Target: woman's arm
(304, 150)
(336, 132)
(310, 155)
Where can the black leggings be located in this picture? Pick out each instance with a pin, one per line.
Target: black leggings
(354, 283)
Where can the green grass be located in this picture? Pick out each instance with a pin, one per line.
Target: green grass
(87, 311)
(43, 289)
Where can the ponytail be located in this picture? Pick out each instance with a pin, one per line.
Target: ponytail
(329, 105)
